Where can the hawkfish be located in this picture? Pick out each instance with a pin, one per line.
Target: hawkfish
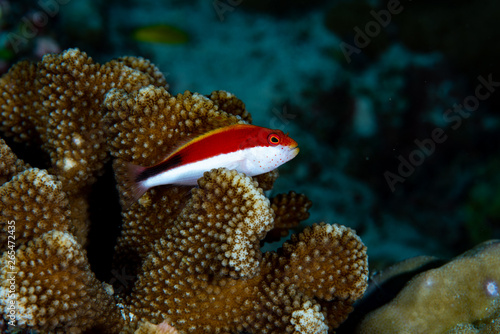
(249, 149)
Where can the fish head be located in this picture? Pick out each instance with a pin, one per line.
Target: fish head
(282, 141)
(270, 149)
(277, 136)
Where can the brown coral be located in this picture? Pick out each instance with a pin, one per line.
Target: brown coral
(54, 289)
(266, 180)
(10, 165)
(196, 252)
(290, 209)
(149, 328)
(58, 102)
(187, 280)
(16, 102)
(230, 104)
(326, 247)
(462, 296)
(35, 201)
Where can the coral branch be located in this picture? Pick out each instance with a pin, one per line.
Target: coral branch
(56, 289)
(35, 200)
(192, 276)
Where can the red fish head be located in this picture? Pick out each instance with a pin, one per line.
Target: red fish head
(278, 137)
(266, 149)
(265, 137)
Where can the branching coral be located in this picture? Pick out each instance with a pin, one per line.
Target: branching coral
(462, 296)
(58, 102)
(55, 289)
(195, 252)
(10, 165)
(35, 200)
(230, 104)
(290, 210)
(192, 276)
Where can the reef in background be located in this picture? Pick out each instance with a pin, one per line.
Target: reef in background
(459, 297)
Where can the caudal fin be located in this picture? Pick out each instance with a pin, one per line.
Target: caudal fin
(132, 189)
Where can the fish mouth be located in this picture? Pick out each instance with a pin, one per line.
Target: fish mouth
(294, 150)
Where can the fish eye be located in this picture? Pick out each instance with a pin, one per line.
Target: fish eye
(273, 139)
